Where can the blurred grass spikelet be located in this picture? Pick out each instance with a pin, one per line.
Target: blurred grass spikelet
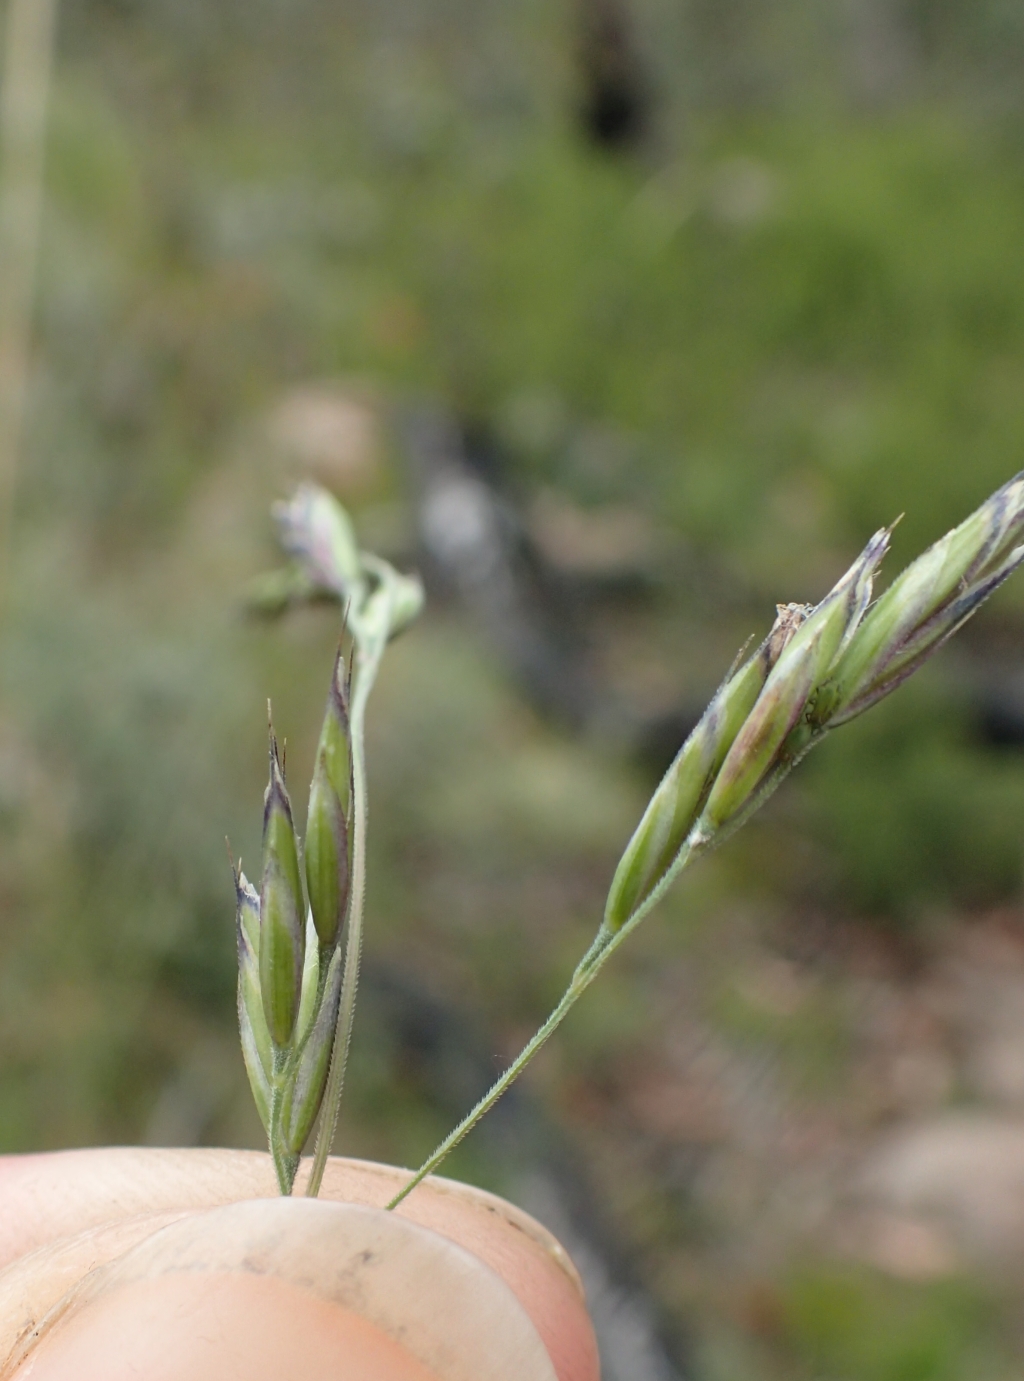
(272, 592)
(406, 603)
(398, 599)
(282, 913)
(317, 533)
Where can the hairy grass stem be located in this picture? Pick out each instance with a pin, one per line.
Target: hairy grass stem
(367, 664)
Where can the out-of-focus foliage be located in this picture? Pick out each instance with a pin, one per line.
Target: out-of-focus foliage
(850, 1325)
(916, 813)
(794, 310)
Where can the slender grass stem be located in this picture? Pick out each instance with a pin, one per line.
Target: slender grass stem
(366, 671)
(604, 946)
(511, 1074)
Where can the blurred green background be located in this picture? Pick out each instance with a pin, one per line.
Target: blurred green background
(716, 289)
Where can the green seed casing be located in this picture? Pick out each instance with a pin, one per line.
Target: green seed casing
(327, 823)
(676, 803)
(802, 666)
(930, 600)
(252, 1025)
(282, 913)
(305, 1090)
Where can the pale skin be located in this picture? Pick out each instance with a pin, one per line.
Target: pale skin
(66, 1214)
